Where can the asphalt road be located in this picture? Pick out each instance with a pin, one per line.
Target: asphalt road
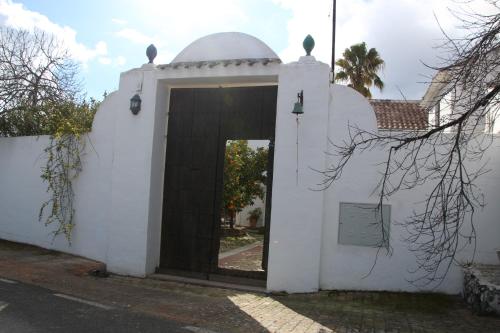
(26, 308)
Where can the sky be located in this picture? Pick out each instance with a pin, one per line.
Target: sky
(109, 37)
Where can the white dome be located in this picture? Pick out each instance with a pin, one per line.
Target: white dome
(225, 46)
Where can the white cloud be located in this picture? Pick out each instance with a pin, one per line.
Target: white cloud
(16, 16)
(164, 54)
(177, 23)
(185, 18)
(115, 62)
(119, 21)
(101, 48)
(105, 60)
(135, 36)
(121, 60)
(405, 33)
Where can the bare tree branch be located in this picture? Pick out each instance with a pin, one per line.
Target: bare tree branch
(35, 71)
(444, 161)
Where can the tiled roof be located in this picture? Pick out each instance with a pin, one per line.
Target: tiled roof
(399, 114)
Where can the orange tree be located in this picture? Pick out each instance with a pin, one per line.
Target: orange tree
(244, 177)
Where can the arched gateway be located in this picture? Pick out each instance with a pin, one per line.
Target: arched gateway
(201, 120)
(226, 86)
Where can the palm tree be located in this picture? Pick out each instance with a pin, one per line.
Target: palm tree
(359, 67)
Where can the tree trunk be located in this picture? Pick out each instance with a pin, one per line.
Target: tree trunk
(231, 219)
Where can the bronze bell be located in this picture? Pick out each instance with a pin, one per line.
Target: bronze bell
(298, 107)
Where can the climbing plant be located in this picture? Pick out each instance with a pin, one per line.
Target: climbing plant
(40, 95)
(68, 123)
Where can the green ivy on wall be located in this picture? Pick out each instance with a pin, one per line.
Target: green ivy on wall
(68, 127)
(40, 94)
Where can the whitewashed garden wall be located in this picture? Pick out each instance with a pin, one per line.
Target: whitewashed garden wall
(22, 191)
(343, 266)
(119, 193)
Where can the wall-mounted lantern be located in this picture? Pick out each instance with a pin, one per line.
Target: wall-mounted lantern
(135, 104)
(298, 107)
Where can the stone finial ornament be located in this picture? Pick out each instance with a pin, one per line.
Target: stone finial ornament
(151, 52)
(308, 44)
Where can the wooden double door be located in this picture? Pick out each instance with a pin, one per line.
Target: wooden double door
(200, 121)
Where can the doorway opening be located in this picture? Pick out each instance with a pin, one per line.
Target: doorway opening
(243, 207)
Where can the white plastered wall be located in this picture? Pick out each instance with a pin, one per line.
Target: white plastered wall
(118, 195)
(297, 212)
(120, 191)
(22, 191)
(348, 267)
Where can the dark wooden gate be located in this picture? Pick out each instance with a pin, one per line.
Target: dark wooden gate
(199, 123)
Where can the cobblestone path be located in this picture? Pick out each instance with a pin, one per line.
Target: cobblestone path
(247, 260)
(230, 311)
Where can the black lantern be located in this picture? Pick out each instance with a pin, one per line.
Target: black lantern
(135, 104)
(298, 107)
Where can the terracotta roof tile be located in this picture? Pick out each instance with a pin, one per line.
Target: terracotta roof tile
(399, 114)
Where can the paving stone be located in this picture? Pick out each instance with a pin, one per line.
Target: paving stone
(230, 311)
(248, 260)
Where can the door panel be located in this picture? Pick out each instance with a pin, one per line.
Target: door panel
(200, 122)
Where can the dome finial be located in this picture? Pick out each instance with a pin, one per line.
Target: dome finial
(151, 53)
(308, 44)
